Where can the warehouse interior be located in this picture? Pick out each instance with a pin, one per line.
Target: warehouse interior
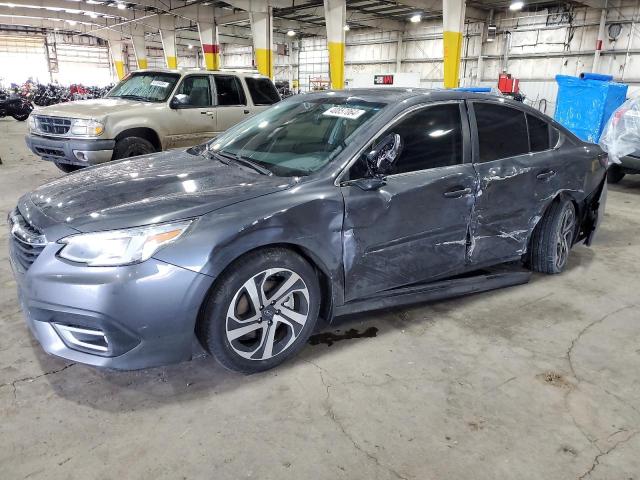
(532, 381)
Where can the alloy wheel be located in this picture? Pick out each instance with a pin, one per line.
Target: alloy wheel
(267, 314)
(565, 237)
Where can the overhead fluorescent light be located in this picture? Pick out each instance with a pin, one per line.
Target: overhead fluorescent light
(516, 5)
(415, 18)
(291, 33)
(190, 46)
(71, 22)
(93, 15)
(346, 28)
(121, 6)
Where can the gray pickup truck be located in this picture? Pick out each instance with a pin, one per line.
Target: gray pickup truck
(148, 111)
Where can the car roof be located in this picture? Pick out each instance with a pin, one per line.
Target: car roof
(185, 71)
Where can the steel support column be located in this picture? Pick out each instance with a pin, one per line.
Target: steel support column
(599, 41)
(117, 55)
(168, 37)
(262, 31)
(335, 13)
(452, 24)
(140, 49)
(210, 44)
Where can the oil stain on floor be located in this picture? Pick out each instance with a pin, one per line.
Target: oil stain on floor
(329, 338)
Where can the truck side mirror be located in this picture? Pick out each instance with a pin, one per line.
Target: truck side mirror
(179, 101)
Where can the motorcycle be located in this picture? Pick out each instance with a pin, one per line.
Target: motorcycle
(13, 105)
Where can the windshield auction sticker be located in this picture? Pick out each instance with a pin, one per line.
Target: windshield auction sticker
(159, 83)
(344, 112)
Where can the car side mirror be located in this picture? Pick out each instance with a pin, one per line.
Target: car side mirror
(179, 101)
(383, 155)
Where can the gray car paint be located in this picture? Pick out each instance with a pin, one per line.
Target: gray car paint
(362, 242)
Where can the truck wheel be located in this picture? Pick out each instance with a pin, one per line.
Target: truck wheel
(132, 147)
(262, 311)
(553, 238)
(614, 174)
(67, 167)
(21, 117)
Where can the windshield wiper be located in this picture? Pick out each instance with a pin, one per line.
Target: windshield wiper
(134, 97)
(246, 162)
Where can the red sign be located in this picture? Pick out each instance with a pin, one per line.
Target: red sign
(383, 79)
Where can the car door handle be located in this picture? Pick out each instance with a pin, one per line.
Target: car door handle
(246, 112)
(457, 193)
(545, 175)
(208, 113)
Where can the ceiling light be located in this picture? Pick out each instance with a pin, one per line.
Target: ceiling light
(10, 5)
(121, 6)
(346, 28)
(190, 46)
(93, 15)
(516, 5)
(71, 22)
(291, 33)
(416, 18)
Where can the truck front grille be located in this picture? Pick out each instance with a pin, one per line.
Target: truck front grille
(53, 125)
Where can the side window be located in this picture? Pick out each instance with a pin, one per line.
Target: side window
(539, 131)
(502, 131)
(262, 91)
(229, 90)
(197, 90)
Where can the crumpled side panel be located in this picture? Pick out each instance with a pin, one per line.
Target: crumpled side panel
(621, 134)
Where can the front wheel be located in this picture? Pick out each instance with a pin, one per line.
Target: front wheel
(21, 117)
(262, 311)
(553, 238)
(615, 174)
(67, 167)
(132, 147)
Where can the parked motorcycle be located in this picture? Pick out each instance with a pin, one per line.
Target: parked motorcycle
(13, 105)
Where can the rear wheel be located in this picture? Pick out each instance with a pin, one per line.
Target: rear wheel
(67, 167)
(615, 174)
(262, 311)
(553, 238)
(132, 147)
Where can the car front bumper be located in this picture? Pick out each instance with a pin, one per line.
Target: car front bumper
(75, 152)
(127, 318)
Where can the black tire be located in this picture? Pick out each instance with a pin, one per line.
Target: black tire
(216, 327)
(21, 117)
(132, 147)
(67, 167)
(553, 237)
(615, 174)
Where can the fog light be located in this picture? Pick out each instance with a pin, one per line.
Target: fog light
(80, 155)
(83, 337)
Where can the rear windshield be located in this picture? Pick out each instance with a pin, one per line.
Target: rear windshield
(145, 87)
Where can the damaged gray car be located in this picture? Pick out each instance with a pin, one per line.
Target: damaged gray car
(325, 204)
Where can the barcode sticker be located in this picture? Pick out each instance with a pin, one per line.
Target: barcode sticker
(159, 83)
(344, 112)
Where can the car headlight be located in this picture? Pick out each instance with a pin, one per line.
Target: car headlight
(32, 122)
(86, 128)
(121, 247)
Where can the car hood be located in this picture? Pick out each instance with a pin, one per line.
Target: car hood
(150, 189)
(97, 108)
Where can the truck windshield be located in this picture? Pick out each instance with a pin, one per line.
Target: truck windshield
(145, 87)
(296, 137)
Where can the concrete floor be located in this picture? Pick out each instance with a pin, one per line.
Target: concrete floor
(537, 382)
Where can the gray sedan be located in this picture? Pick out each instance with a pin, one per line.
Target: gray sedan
(323, 205)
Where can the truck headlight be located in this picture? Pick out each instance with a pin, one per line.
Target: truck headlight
(86, 128)
(32, 123)
(121, 247)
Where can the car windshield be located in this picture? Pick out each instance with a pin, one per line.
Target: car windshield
(296, 137)
(145, 87)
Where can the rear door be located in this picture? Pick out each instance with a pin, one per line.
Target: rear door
(195, 121)
(231, 102)
(414, 228)
(262, 92)
(518, 174)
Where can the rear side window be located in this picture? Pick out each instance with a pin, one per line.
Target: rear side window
(229, 90)
(538, 133)
(262, 91)
(502, 131)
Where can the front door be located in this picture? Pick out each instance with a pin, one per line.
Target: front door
(194, 122)
(518, 175)
(231, 102)
(414, 228)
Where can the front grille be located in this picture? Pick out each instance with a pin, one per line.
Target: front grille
(50, 152)
(53, 125)
(26, 241)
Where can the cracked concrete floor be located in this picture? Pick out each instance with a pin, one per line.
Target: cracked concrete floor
(532, 382)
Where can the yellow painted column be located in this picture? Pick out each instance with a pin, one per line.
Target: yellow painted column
(261, 28)
(210, 47)
(335, 13)
(453, 22)
(140, 49)
(168, 37)
(117, 55)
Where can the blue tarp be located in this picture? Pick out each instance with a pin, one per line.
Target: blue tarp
(585, 104)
